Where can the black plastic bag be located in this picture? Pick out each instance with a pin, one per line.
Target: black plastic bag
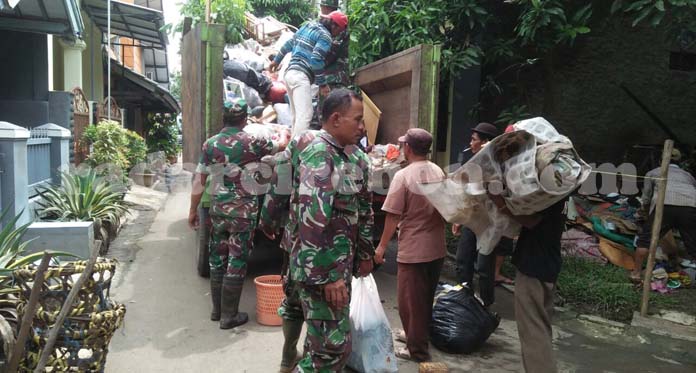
(247, 75)
(460, 322)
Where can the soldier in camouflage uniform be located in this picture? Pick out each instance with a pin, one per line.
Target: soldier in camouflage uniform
(336, 68)
(334, 231)
(233, 212)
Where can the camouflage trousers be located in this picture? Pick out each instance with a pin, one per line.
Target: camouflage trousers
(229, 250)
(328, 342)
(291, 308)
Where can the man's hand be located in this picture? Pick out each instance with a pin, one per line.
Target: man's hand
(365, 267)
(456, 229)
(379, 254)
(272, 67)
(324, 90)
(267, 231)
(193, 219)
(336, 294)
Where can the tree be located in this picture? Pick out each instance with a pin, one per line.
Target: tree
(294, 12)
(226, 12)
(677, 17)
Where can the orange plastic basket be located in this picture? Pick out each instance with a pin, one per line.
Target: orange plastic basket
(269, 295)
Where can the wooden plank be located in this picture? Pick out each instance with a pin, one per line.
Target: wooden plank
(657, 224)
(216, 43)
(405, 87)
(29, 312)
(192, 96)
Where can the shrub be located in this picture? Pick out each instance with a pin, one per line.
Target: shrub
(109, 141)
(136, 148)
(162, 135)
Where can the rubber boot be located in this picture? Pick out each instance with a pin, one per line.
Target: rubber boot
(230, 316)
(291, 333)
(216, 291)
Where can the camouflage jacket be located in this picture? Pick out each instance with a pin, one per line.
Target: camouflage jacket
(334, 212)
(336, 69)
(226, 159)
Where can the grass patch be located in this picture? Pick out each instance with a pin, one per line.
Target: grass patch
(603, 290)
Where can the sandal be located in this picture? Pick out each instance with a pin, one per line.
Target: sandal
(400, 335)
(403, 353)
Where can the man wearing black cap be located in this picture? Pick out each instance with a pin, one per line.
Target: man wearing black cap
(487, 266)
(421, 242)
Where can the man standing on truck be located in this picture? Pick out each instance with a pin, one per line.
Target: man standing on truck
(421, 249)
(233, 208)
(334, 231)
(336, 70)
(309, 46)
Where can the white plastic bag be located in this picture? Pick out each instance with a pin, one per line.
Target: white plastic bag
(373, 347)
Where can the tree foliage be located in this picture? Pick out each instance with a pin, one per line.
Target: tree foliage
(226, 12)
(676, 17)
(293, 12)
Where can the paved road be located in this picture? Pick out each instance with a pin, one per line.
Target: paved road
(167, 327)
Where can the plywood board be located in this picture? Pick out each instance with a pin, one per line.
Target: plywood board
(405, 87)
(371, 116)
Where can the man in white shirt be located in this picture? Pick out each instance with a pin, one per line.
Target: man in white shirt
(679, 212)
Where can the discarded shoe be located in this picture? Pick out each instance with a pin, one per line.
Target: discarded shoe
(688, 263)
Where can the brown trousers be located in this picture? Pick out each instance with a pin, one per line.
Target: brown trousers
(416, 283)
(533, 309)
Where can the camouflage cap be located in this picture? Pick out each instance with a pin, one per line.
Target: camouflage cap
(330, 3)
(234, 110)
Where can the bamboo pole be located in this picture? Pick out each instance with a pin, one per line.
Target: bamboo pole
(67, 305)
(657, 224)
(207, 11)
(29, 314)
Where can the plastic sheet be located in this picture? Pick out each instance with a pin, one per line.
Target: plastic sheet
(460, 322)
(373, 347)
(239, 53)
(284, 114)
(237, 88)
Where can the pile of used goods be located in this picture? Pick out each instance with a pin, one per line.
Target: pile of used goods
(532, 168)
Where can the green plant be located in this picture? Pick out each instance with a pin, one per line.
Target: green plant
(108, 140)
(678, 17)
(513, 114)
(85, 197)
(136, 148)
(162, 135)
(11, 244)
(225, 12)
(294, 12)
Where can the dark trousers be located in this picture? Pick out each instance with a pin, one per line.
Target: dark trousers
(681, 218)
(416, 283)
(468, 259)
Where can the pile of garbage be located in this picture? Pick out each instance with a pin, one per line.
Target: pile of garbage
(246, 75)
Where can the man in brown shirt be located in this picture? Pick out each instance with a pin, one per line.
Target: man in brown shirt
(421, 242)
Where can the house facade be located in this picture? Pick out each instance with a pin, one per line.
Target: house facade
(54, 73)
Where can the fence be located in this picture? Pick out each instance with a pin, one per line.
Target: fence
(38, 160)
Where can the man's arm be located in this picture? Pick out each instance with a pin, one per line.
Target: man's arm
(366, 218)
(317, 61)
(391, 221)
(319, 261)
(527, 221)
(199, 180)
(285, 49)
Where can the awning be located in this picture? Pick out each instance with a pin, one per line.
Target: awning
(156, 65)
(59, 17)
(128, 20)
(132, 89)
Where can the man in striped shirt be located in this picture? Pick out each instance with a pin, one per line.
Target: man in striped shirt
(309, 46)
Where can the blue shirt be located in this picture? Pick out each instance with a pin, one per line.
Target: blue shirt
(309, 47)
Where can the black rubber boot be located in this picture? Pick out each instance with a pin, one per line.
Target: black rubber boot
(230, 316)
(216, 292)
(291, 333)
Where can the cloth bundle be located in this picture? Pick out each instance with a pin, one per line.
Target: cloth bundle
(532, 168)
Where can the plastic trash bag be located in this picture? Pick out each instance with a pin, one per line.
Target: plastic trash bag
(239, 53)
(373, 347)
(237, 88)
(460, 323)
(243, 72)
